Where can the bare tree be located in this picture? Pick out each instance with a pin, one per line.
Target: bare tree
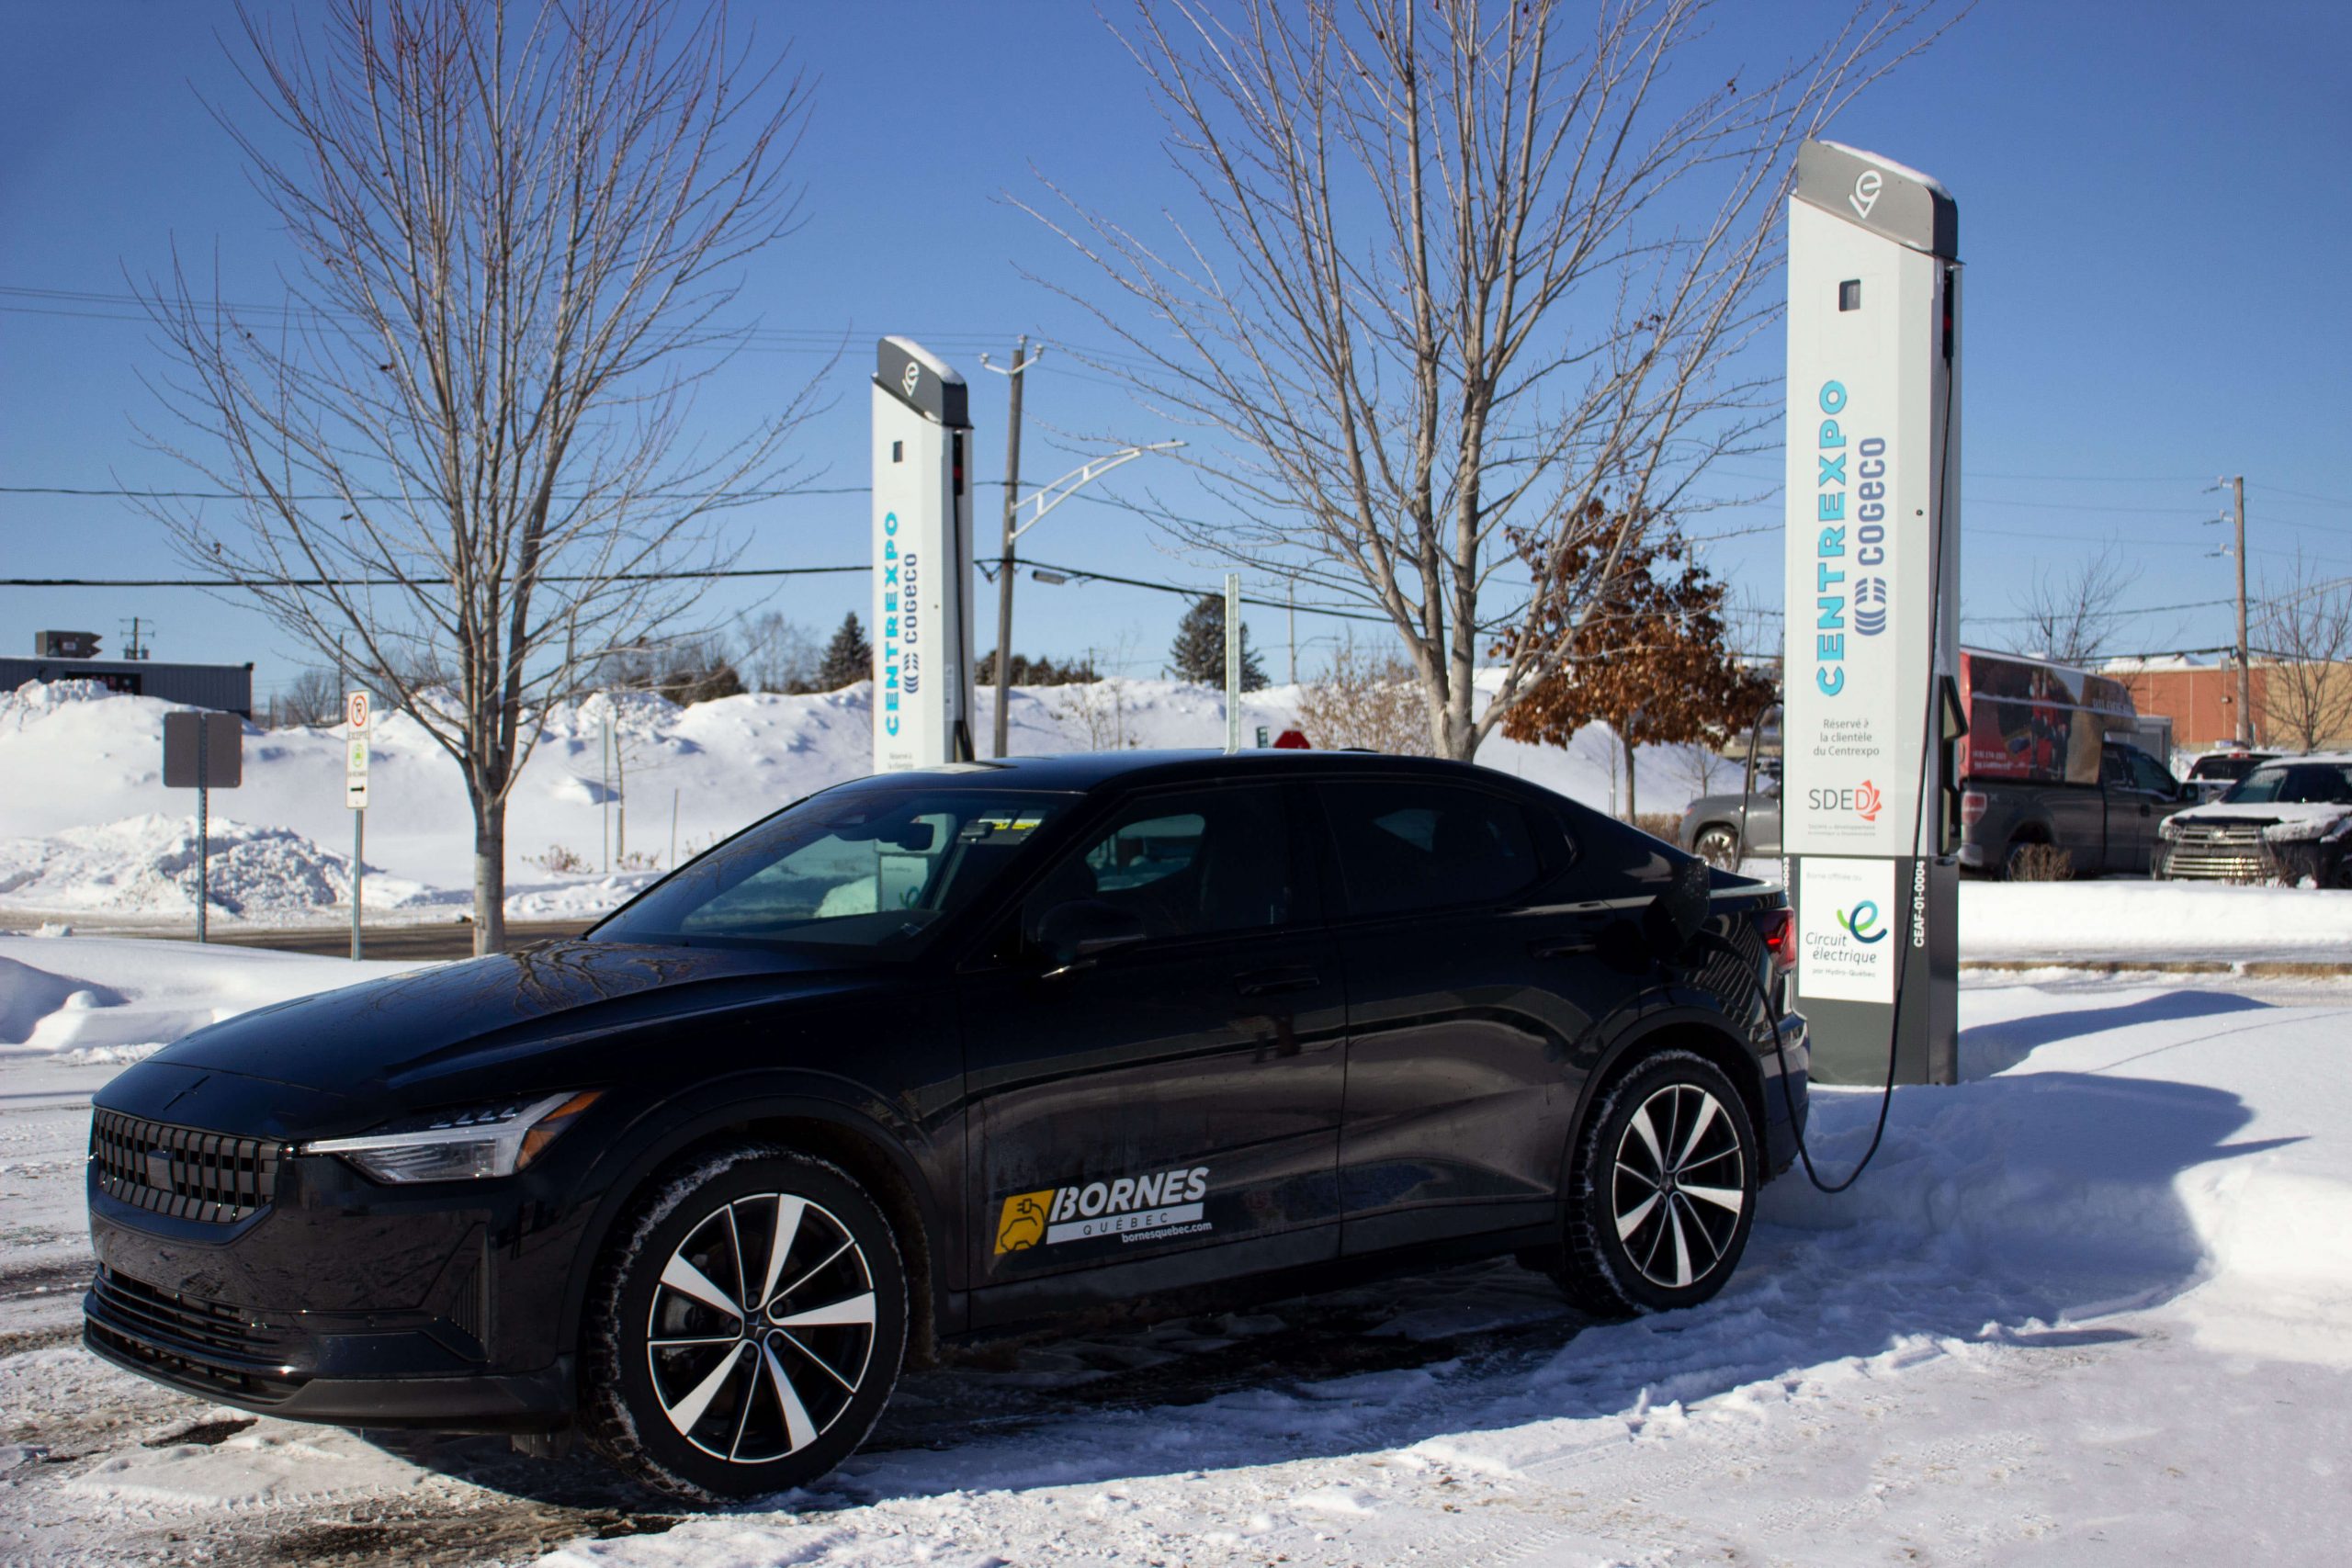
(1367, 700)
(313, 697)
(461, 442)
(1451, 273)
(2304, 624)
(776, 654)
(2069, 615)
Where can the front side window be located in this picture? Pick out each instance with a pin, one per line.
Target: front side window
(1407, 845)
(1188, 864)
(2149, 774)
(2301, 783)
(870, 866)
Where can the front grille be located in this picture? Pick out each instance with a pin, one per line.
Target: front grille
(2231, 852)
(182, 1172)
(189, 1340)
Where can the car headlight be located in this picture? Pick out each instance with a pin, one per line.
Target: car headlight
(2169, 829)
(496, 1139)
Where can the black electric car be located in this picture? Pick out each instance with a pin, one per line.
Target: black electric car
(934, 1055)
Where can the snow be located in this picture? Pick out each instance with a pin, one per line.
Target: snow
(88, 827)
(87, 995)
(2135, 919)
(2093, 1305)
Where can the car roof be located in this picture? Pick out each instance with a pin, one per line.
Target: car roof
(1091, 770)
(2331, 759)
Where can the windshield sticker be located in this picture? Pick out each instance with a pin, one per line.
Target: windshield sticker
(1003, 829)
(1150, 1208)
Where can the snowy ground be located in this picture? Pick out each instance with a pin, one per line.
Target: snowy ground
(2092, 1307)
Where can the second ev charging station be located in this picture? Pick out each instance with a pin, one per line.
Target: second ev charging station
(922, 560)
(1870, 719)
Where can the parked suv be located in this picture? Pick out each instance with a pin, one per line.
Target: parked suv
(2212, 774)
(941, 1053)
(2288, 820)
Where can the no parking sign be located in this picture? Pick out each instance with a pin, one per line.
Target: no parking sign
(354, 763)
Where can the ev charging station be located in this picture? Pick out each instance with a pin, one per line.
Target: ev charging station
(922, 561)
(1871, 718)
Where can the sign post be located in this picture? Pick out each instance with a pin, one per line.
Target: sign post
(203, 751)
(355, 795)
(1871, 717)
(922, 561)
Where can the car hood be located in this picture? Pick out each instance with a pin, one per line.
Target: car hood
(386, 1038)
(2284, 821)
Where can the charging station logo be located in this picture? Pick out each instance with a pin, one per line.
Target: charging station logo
(1869, 606)
(1866, 188)
(912, 378)
(1861, 922)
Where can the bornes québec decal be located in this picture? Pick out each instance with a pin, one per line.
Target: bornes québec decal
(1162, 1204)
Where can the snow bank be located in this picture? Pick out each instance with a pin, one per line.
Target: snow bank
(148, 865)
(2126, 918)
(103, 999)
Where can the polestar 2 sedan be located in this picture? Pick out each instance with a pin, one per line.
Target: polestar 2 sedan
(936, 1055)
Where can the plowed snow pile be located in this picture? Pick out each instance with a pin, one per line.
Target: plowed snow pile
(148, 865)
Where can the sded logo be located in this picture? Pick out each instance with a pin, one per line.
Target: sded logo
(1863, 800)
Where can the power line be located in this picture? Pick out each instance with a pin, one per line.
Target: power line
(710, 574)
(122, 493)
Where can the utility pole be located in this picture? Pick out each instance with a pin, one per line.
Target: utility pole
(1021, 360)
(1294, 631)
(2246, 672)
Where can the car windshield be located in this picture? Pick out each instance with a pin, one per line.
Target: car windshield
(2325, 784)
(872, 866)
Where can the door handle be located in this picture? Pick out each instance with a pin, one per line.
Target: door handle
(1584, 939)
(1272, 982)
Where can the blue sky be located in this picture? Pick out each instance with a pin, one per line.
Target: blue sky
(2155, 215)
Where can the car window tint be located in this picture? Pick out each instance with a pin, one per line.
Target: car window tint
(2302, 785)
(2150, 775)
(1409, 845)
(868, 865)
(1190, 865)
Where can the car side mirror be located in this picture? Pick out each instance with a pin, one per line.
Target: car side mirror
(1676, 915)
(1073, 935)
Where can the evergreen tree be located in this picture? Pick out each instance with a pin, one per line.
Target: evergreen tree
(1198, 652)
(849, 657)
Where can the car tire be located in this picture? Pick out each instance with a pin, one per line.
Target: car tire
(1718, 846)
(744, 1326)
(1661, 1189)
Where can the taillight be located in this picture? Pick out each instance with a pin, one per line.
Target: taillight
(1971, 808)
(1778, 930)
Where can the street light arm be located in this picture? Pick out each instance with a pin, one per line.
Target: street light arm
(1045, 498)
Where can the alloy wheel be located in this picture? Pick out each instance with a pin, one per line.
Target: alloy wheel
(1719, 847)
(1678, 1187)
(762, 1328)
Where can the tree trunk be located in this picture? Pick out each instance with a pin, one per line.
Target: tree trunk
(1626, 739)
(489, 876)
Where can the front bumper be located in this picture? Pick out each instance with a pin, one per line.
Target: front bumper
(344, 1301)
(372, 1379)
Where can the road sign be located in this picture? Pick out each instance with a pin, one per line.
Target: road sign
(203, 751)
(355, 762)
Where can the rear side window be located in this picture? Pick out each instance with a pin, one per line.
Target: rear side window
(1407, 845)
